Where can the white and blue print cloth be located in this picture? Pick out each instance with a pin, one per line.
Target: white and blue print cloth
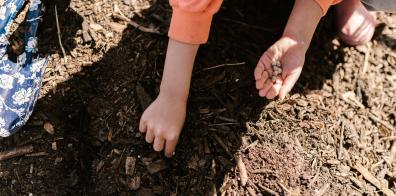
(20, 75)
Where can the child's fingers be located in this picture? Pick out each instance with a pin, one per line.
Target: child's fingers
(149, 135)
(158, 143)
(260, 82)
(258, 71)
(142, 126)
(263, 65)
(274, 90)
(288, 84)
(170, 146)
(267, 85)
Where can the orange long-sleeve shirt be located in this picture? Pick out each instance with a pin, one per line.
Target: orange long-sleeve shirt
(191, 19)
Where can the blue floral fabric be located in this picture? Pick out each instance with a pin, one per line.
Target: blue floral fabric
(21, 76)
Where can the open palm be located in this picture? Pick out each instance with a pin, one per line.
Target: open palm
(291, 55)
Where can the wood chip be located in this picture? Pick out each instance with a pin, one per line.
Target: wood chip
(221, 143)
(157, 166)
(385, 124)
(242, 170)
(333, 162)
(295, 192)
(96, 27)
(37, 154)
(130, 163)
(99, 166)
(373, 180)
(323, 190)
(134, 183)
(49, 128)
(85, 29)
(251, 191)
(16, 152)
(268, 190)
(117, 27)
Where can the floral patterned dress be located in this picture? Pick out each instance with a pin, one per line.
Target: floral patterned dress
(21, 76)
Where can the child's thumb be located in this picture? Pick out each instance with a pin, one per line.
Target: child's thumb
(288, 84)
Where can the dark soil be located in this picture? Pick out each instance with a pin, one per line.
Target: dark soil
(342, 112)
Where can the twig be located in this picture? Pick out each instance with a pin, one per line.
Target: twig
(59, 34)
(262, 171)
(37, 154)
(340, 149)
(242, 170)
(121, 16)
(251, 191)
(223, 124)
(225, 148)
(373, 180)
(267, 189)
(311, 182)
(285, 189)
(350, 98)
(218, 66)
(253, 144)
(392, 152)
(16, 152)
(385, 124)
(366, 58)
(389, 138)
(251, 26)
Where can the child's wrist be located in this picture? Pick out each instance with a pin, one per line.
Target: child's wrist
(174, 93)
(299, 41)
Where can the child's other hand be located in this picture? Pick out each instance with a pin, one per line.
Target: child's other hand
(162, 122)
(291, 55)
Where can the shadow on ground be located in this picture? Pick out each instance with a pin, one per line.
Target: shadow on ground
(96, 112)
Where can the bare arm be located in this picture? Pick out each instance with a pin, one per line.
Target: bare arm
(178, 68)
(303, 21)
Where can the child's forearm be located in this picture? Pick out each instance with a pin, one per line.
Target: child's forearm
(178, 68)
(303, 21)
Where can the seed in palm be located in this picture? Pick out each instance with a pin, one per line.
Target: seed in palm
(276, 70)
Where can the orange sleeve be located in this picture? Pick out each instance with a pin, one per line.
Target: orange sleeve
(325, 4)
(191, 20)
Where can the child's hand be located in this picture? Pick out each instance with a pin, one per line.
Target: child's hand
(291, 55)
(162, 122)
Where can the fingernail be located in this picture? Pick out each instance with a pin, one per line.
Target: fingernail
(173, 154)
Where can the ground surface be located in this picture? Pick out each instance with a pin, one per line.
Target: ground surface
(335, 134)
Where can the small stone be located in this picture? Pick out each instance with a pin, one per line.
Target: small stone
(49, 128)
(54, 146)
